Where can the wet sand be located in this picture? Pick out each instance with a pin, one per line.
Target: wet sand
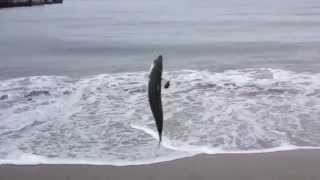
(288, 165)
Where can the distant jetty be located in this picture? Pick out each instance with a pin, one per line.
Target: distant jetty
(16, 3)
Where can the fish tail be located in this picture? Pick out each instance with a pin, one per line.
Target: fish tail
(160, 139)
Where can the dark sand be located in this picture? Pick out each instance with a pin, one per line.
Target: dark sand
(290, 165)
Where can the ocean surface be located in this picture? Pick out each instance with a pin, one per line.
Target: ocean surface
(245, 78)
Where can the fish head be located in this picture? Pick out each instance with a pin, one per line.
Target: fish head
(158, 61)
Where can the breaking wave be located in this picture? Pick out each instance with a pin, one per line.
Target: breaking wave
(105, 119)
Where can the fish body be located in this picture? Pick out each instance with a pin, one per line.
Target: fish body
(154, 94)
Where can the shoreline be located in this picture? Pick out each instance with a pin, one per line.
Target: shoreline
(284, 165)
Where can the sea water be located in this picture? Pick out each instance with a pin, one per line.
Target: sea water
(244, 77)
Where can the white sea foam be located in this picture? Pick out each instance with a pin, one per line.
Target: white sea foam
(105, 119)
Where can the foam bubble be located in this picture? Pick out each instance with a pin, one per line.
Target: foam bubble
(105, 119)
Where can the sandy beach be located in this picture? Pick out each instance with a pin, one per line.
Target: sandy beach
(288, 165)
